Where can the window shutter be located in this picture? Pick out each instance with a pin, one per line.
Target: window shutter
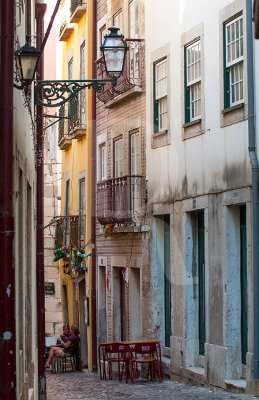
(155, 102)
(186, 90)
(226, 72)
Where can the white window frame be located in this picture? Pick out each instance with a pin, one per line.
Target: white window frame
(161, 97)
(118, 14)
(118, 158)
(194, 82)
(102, 162)
(135, 153)
(235, 65)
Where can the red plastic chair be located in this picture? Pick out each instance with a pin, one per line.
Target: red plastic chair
(114, 353)
(145, 353)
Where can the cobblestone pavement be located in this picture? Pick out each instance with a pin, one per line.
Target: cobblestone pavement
(82, 385)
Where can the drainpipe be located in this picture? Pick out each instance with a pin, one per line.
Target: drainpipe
(40, 10)
(93, 202)
(7, 281)
(254, 167)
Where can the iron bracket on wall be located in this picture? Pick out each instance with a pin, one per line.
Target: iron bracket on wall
(55, 93)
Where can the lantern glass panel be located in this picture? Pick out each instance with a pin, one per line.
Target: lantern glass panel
(28, 65)
(114, 60)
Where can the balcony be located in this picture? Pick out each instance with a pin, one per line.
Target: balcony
(70, 231)
(64, 139)
(77, 10)
(119, 200)
(65, 28)
(131, 82)
(77, 116)
(72, 123)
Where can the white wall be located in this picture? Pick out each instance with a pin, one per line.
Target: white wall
(217, 159)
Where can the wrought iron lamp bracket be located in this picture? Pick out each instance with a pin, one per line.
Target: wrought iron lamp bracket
(56, 93)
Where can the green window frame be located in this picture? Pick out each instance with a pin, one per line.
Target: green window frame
(233, 60)
(160, 105)
(192, 84)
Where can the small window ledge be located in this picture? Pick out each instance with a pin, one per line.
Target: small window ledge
(233, 108)
(192, 123)
(160, 133)
(160, 139)
(136, 90)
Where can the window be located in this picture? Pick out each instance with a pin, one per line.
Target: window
(134, 34)
(193, 81)
(234, 62)
(70, 69)
(82, 115)
(69, 106)
(117, 20)
(81, 207)
(118, 158)
(160, 96)
(134, 19)
(102, 165)
(66, 225)
(135, 167)
(102, 32)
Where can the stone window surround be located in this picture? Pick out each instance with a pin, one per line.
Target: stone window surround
(192, 357)
(163, 138)
(194, 127)
(239, 112)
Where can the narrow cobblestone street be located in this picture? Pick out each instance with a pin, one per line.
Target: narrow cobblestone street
(77, 385)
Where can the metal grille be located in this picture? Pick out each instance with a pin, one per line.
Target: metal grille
(132, 75)
(59, 232)
(61, 122)
(75, 4)
(119, 200)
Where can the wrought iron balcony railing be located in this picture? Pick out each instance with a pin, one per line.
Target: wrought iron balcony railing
(64, 139)
(119, 200)
(76, 112)
(133, 75)
(70, 231)
(72, 124)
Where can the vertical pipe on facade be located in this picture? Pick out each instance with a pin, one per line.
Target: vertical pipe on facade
(7, 281)
(254, 167)
(39, 15)
(93, 219)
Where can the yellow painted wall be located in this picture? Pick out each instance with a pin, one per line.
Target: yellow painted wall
(78, 157)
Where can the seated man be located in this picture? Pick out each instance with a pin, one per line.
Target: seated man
(64, 335)
(71, 347)
(61, 340)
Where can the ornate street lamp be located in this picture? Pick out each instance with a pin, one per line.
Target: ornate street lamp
(27, 59)
(55, 93)
(114, 51)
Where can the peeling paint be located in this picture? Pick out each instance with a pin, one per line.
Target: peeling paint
(7, 335)
(8, 290)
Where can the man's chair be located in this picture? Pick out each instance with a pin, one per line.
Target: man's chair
(74, 360)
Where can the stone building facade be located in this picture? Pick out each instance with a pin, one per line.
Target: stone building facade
(121, 183)
(199, 190)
